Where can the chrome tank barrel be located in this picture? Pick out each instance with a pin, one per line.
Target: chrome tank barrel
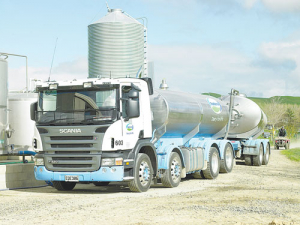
(247, 119)
(187, 115)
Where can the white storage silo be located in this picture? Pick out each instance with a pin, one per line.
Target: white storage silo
(25, 130)
(116, 46)
(3, 105)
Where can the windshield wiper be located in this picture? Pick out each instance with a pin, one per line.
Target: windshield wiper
(96, 119)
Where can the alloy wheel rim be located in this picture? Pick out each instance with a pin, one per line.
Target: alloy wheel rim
(175, 170)
(228, 157)
(144, 173)
(215, 162)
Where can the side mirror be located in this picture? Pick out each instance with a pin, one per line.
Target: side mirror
(33, 109)
(131, 102)
(133, 108)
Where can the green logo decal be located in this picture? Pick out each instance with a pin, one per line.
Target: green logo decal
(129, 127)
(214, 105)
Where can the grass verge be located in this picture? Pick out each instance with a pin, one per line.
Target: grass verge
(292, 154)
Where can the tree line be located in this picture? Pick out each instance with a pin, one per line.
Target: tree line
(280, 114)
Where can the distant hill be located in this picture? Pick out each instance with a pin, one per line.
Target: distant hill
(284, 99)
(212, 94)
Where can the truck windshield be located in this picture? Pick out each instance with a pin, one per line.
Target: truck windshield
(57, 107)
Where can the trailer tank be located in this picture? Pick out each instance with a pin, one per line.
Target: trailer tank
(186, 115)
(247, 118)
(3, 105)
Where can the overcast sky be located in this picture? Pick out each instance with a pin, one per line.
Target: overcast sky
(196, 45)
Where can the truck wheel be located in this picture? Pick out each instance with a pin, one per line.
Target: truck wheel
(213, 166)
(63, 186)
(100, 183)
(172, 176)
(248, 160)
(227, 163)
(258, 159)
(266, 156)
(198, 175)
(143, 174)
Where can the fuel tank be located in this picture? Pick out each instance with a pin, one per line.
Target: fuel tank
(185, 115)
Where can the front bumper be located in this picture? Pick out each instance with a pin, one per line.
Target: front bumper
(114, 173)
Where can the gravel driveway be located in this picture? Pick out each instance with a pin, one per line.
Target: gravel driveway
(248, 195)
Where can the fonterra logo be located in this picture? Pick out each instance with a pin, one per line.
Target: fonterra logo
(129, 127)
(214, 105)
(69, 131)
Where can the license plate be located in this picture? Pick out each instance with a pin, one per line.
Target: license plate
(71, 178)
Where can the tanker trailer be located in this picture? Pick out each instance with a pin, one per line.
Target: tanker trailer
(105, 130)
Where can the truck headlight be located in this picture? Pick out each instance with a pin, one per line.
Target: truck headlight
(108, 162)
(39, 162)
(118, 161)
(112, 162)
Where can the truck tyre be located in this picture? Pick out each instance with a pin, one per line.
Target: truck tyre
(172, 176)
(248, 160)
(100, 183)
(228, 160)
(258, 159)
(63, 186)
(143, 174)
(267, 155)
(213, 166)
(198, 175)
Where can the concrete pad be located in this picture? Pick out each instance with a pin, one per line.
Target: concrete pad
(18, 176)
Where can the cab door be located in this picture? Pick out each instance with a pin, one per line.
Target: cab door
(131, 116)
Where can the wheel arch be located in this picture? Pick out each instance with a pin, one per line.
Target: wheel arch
(222, 146)
(164, 158)
(148, 150)
(146, 147)
(207, 149)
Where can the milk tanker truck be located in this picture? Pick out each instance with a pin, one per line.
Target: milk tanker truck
(103, 130)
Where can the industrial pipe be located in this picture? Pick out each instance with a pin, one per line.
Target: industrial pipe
(7, 54)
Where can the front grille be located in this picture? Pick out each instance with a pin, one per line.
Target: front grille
(281, 142)
(71, 158)
(66, 138)
(72, 166)
(72, 152)
(71, 145)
